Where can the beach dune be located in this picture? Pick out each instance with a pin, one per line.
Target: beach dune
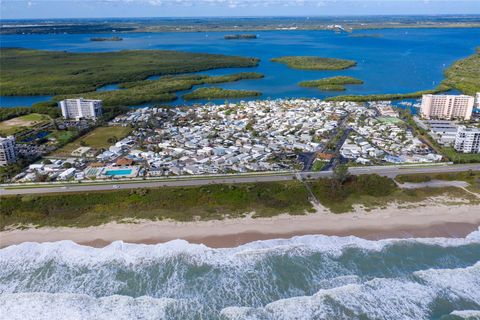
(391, 222)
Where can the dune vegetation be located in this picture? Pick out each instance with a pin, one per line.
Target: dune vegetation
(331, 84)
(219, 93)
(315, 63)
(264, 199)
(37, 72)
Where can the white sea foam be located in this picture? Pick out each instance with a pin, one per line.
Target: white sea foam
(375, 299)
(67, 306)
(467, 314)
(273, 279)
(126, 253)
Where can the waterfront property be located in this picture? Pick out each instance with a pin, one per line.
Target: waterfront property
(447, 106)
(81, 109)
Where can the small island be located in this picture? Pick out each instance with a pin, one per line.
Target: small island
(315, 63)
(239, 36)
(331, 84)
(106, 39)
(219, 93)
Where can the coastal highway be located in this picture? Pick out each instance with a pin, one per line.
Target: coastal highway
(388, 171)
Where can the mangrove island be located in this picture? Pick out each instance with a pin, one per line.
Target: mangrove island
(331, 84)
(315, 63)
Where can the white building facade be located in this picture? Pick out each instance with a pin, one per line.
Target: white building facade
(8, 152)
(81, 109)
(447, 107)
(468, 140)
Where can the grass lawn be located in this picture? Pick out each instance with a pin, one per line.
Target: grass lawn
(98, 138)
(319, 165)
(62, 136)
(458, 157)
(18, 124)
(392, 120)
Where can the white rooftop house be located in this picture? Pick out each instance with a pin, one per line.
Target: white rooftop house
(81, 108)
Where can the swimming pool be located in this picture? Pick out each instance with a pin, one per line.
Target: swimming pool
(119, 172)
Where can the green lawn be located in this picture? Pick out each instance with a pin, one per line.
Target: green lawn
(458, 157)
(98, 139)
(18, 124)
(315, 63)
(62, 136)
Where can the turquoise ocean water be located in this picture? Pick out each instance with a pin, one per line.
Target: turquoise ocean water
(308, 277)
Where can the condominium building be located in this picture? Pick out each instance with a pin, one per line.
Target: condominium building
(81, 108)
(468, 140)
(447, 106)
(8, 152)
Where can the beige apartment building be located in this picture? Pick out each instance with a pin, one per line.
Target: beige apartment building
(447, 107)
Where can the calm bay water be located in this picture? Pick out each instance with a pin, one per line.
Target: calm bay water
(401, 60)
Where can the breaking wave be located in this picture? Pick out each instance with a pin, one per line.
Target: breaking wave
(308, 277)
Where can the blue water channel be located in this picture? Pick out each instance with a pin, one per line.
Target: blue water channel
(399, 61)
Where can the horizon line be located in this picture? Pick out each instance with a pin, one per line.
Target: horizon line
(253, 17)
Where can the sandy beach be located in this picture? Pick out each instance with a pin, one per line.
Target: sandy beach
(391, 222)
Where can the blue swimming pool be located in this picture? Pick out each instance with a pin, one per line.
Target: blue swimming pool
(119, 172)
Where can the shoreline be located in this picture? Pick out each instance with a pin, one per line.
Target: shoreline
(391, 222)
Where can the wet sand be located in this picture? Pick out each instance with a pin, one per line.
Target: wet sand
(392, 222)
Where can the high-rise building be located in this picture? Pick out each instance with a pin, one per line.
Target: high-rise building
(447, 106)
(8, 152)
(468, 140)
(81, 108)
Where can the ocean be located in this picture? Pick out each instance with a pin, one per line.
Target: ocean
(306, 277)
(391, 61)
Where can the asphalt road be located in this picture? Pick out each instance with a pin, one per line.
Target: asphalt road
(389, 171)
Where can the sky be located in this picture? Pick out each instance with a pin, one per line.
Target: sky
(43, 9)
